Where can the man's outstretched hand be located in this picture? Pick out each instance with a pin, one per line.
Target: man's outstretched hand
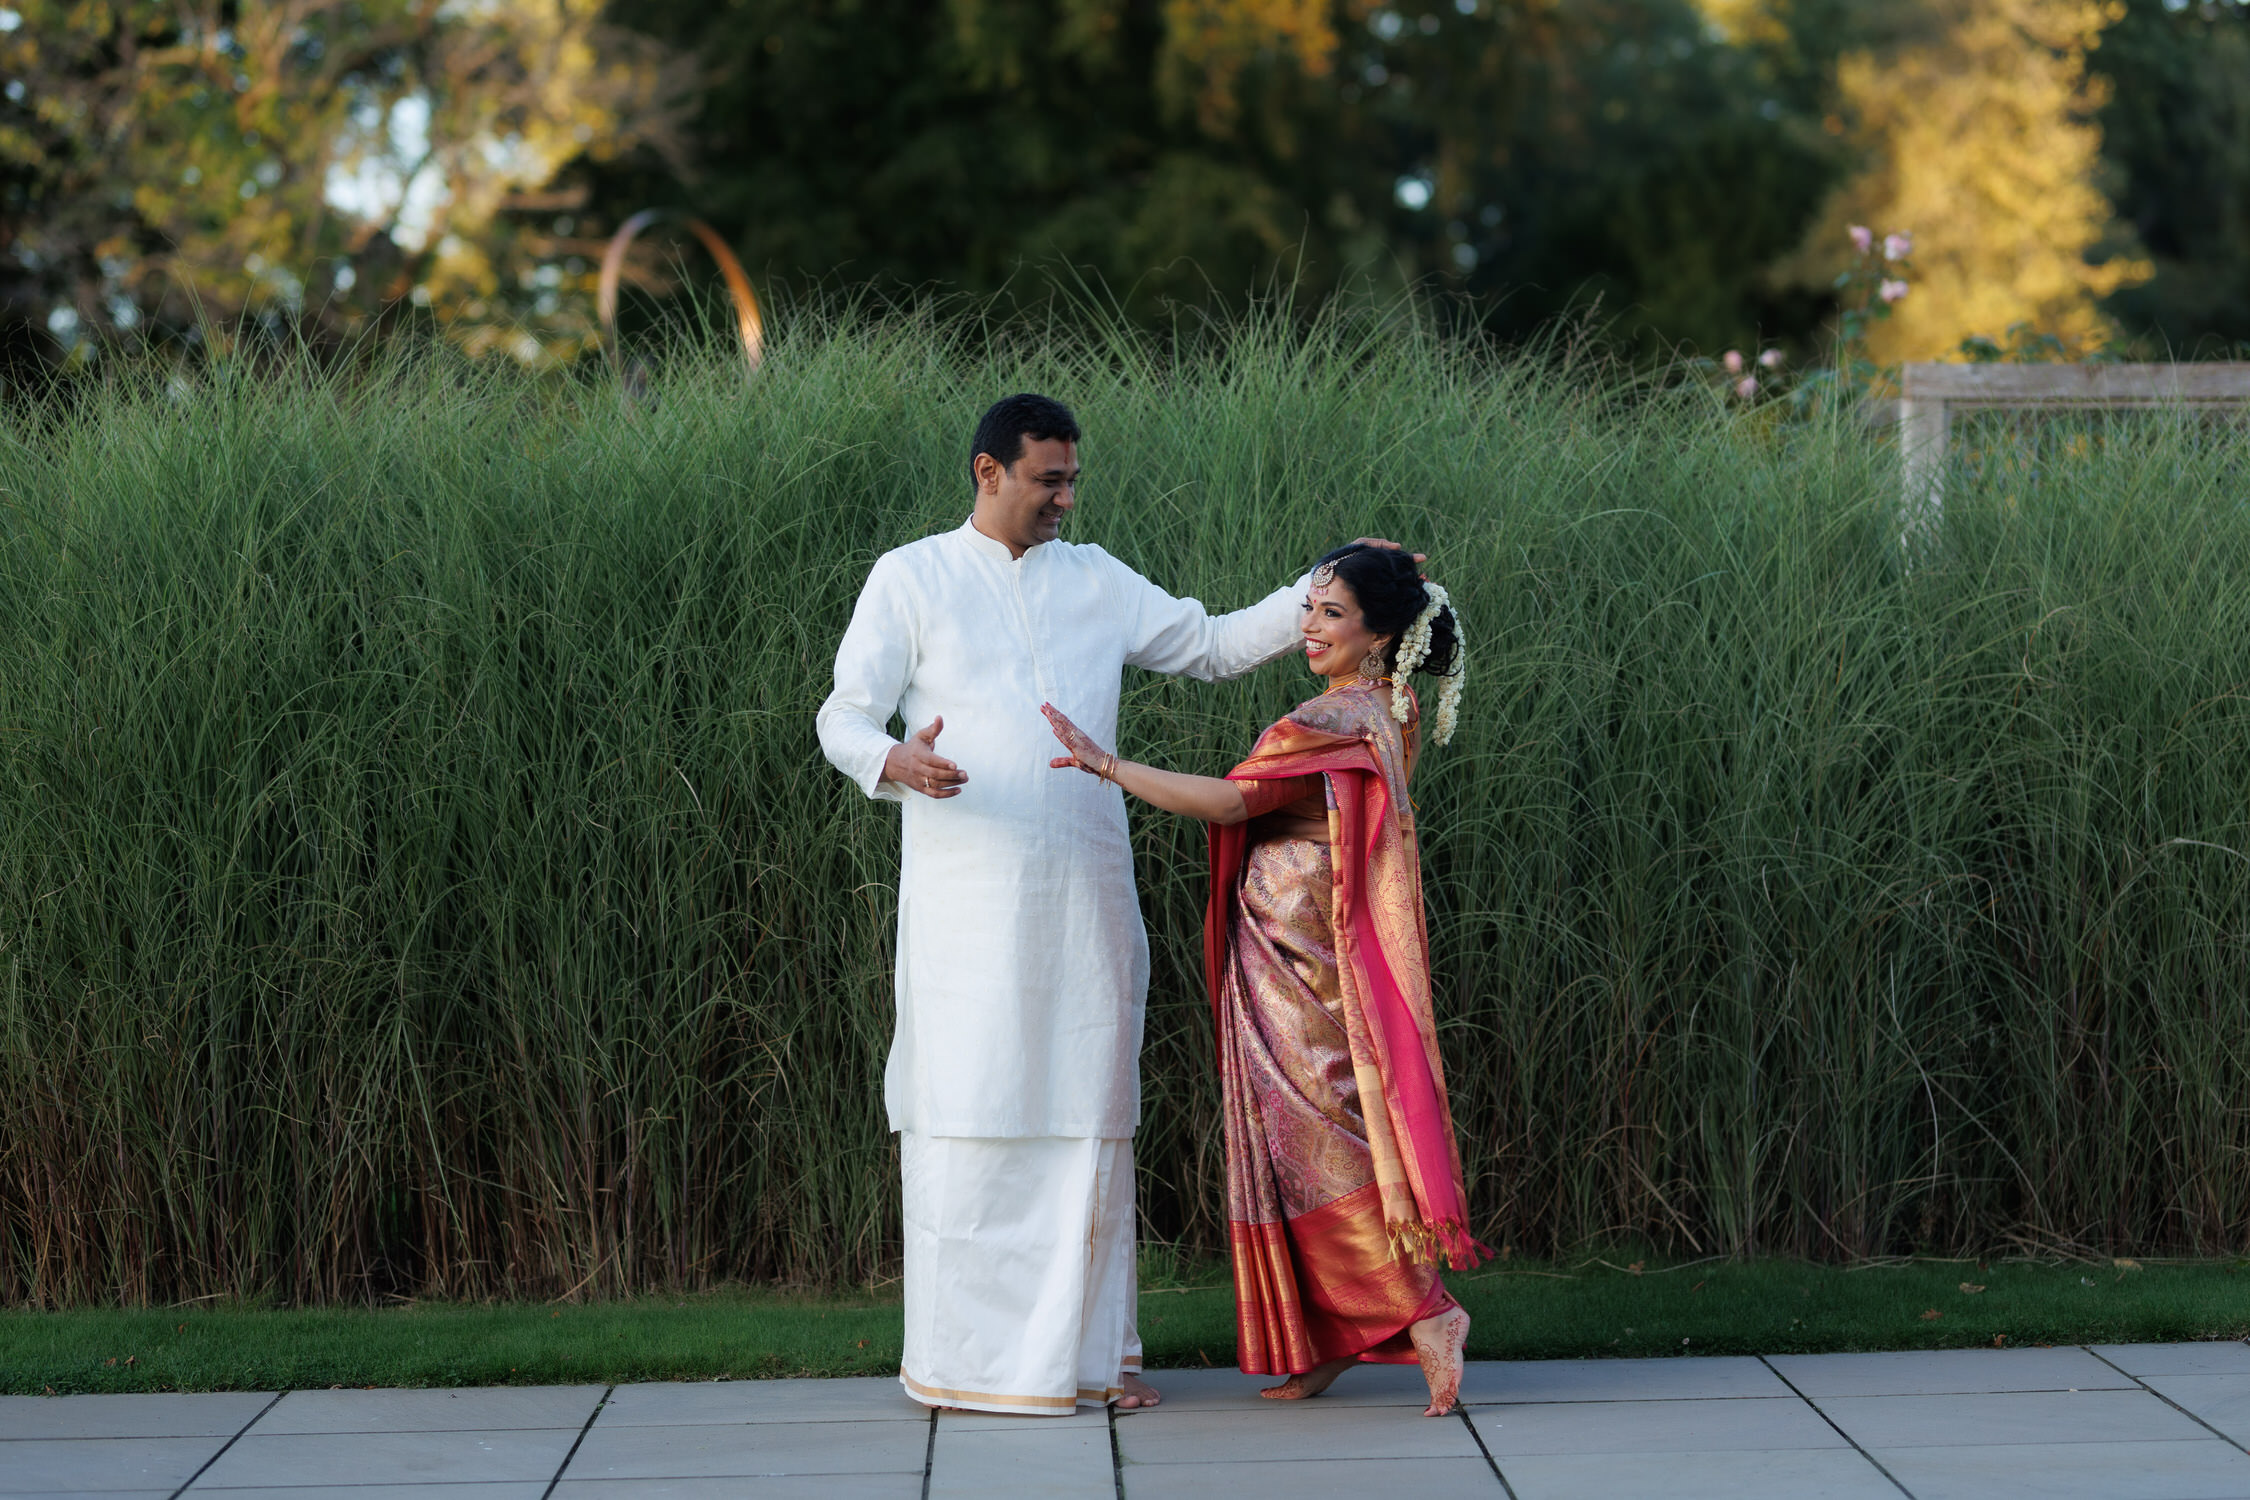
(915, 763)
(1376, 541)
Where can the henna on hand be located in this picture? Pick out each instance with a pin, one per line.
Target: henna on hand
(1084, 753)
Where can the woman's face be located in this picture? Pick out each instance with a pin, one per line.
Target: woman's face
(1335, 632)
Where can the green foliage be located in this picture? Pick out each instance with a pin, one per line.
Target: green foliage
(1683, 166)
(1575, 1309)
(417, 871)
(166, 170)
(1617, 152)
(2176, 133)
(908, 143)
(1533, 157)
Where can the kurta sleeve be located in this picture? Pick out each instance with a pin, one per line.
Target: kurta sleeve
(1178, 636)
(874, 662)
(1262, 795)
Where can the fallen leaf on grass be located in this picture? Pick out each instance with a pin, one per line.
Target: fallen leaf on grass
(1697, 1287)
(1971, 1288)
(1999, 1341)
(1932, 1316)
(1635, 1267)
(2124, 1263)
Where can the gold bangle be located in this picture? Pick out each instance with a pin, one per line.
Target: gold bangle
(1109, 772)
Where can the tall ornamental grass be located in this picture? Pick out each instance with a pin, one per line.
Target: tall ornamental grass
(418, 873)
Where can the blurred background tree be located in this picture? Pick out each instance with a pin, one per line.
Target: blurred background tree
(1975, 130)
(2176, 139)
(170, 169)
(1533, 155)
(1684, 168)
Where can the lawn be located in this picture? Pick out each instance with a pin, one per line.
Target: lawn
(1590, 1307)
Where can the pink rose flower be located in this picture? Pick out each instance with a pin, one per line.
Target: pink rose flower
(1863, 238)
(1732, 359)
(1771, 359)
(1746, 387)
(1891, 290)
(1898, 246)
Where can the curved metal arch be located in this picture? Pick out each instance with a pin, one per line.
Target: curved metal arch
(752, 327)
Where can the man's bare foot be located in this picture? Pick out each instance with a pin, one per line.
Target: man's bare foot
(1441, 1341)
(1138, 1393)
(1315, 1380)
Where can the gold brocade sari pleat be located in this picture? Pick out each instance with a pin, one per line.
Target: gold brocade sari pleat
(1315, 1274)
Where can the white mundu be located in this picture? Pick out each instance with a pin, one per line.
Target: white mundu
(1022, 962)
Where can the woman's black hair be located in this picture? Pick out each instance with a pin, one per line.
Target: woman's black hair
(1391, 598)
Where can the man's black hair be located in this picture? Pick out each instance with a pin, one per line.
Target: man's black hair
(1011, 419)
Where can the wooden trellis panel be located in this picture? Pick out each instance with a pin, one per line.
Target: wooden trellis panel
(1933, 392)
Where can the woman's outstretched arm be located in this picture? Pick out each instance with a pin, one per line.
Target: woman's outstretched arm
(1211, 799)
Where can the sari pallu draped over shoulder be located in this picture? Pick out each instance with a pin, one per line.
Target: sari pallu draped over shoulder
(1382, 951)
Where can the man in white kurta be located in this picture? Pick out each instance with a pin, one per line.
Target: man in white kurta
(1014, 1077)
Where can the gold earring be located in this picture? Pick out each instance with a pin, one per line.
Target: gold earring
(1371, 666)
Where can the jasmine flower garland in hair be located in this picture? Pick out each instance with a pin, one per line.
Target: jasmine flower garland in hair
(1414, 649)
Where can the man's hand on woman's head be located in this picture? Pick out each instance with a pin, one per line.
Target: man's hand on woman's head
(915, 763)
(1376, 541)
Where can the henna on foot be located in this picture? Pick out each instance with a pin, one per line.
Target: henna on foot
(1315, 1380)
(1441, 1342)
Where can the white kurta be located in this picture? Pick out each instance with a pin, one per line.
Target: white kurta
(1022, 961)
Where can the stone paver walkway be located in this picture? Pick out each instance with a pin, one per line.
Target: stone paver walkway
(2132, 1422)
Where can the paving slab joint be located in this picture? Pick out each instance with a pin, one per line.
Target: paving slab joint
(929, 1455)
(2167, 1400)
(1461, 1410)
(588, 1426)
(229, 1443)
(1839, 1431)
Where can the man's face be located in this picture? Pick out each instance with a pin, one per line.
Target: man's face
(1025, 503)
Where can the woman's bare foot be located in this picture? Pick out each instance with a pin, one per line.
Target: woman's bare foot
(1441, 1341)
(1138, 1393)
(1315, 1380)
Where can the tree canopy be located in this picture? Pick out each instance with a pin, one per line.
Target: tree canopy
(1690, 168)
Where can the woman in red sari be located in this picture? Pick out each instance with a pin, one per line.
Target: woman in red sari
(1343, 1181)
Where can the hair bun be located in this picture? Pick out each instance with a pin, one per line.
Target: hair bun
(1416, 648)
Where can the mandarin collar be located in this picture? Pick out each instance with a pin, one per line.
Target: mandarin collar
(985, 546)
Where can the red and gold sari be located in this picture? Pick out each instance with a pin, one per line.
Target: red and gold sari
(1343, 1181)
